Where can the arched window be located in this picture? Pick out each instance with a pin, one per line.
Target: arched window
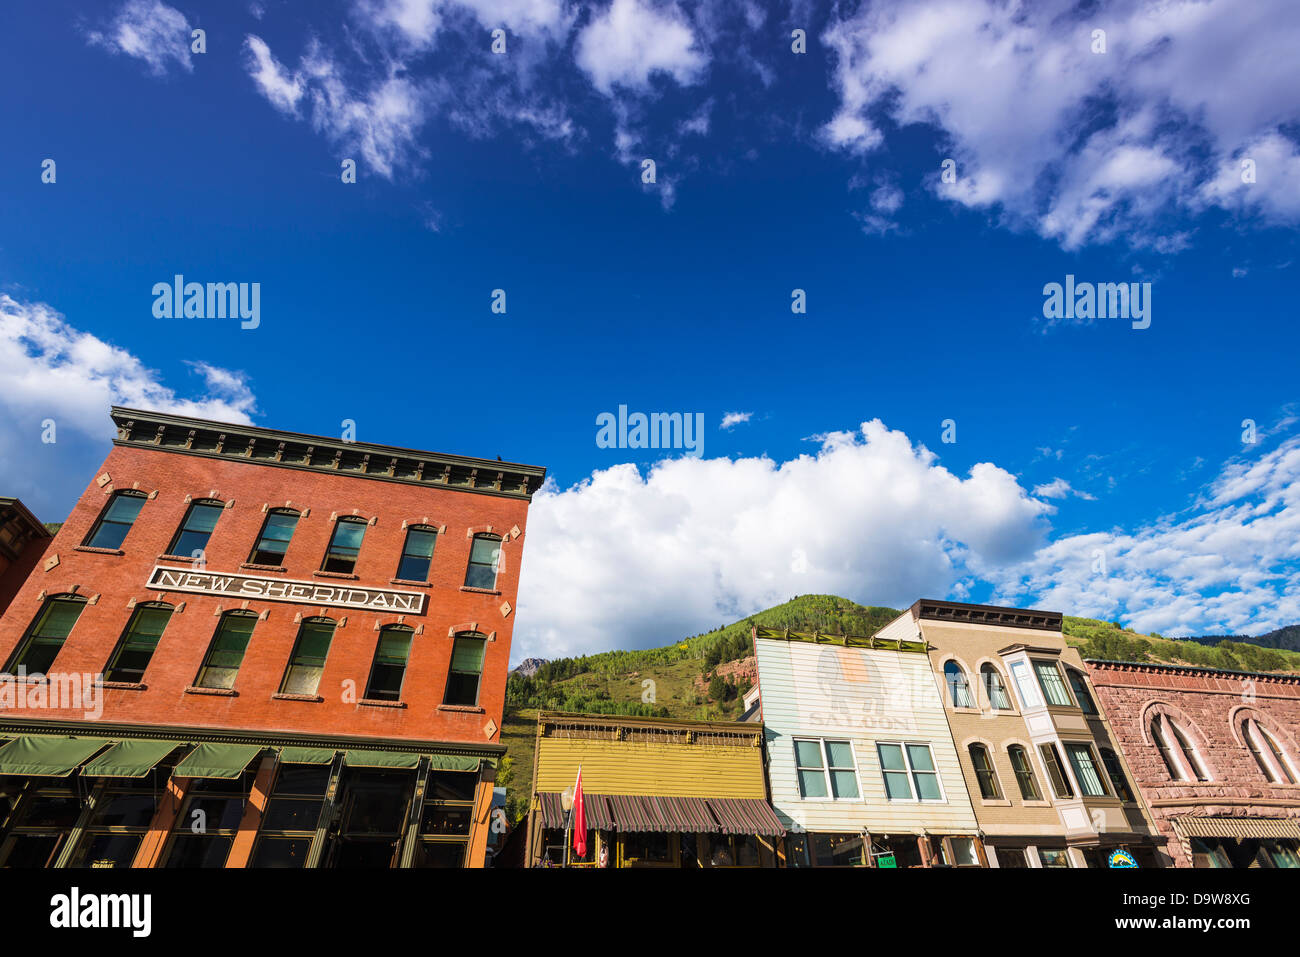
(389, 667)
(310, 650)
(226, 652)
(958, 686)
(994, 687)
(45, 637)
(273, 542)
(988, 778)
(1081, 693)
(116, 520)
(191, 539)
(136, 647)
(466, 669)
(1264, 746)
(417, 553)
(484, 561)
(1115, 770)
(345, 545)
(1024, 773)
(1172, 744)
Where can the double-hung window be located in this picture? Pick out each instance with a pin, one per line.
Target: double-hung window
(958, 685)
(826, 769)
(1086, 770)
(1025, 685)
(309, 654)
(1049, 676)
(116, 520)
(1024, 773)
(466, 669)
(389, 667)
(982, 761)
(46, 636)
(484, 561)
(417, 554)
(994, 689)
(1081, 693)
(137, 646)
(1116, 773)
(345, 546)
(1052, 760)
(273, 542)
(909, 772)
(191, 539)
(226, 653)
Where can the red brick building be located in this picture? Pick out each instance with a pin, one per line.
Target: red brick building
(23, 539)
(1215, 755)
(301, 642)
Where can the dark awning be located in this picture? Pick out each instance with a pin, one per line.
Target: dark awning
(130, 759)
(687, 815)
(217, 760)
(47, 756)
(454, 762)
(746, 816)
(632, 813)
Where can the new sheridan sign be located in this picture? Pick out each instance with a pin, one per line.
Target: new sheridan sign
(280, 589)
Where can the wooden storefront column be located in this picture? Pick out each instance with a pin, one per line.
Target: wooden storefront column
(328, 815)
(411, 839)
(242, 847)
(482, 820)
(164, 819)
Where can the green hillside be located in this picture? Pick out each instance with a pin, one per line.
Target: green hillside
(705, 676)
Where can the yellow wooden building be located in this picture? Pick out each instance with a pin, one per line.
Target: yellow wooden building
(658, 793)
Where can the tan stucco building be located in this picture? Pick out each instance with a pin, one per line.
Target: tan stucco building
(1048, 784)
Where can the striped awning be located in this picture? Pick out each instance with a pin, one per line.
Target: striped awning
(633, 812)
(688, 815)
(598, 813)
(1238, 827)
(746, 816)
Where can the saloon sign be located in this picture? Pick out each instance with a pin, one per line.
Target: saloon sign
(279, 589)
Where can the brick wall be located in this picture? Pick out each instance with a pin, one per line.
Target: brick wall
(1210, 707)
(117, 579)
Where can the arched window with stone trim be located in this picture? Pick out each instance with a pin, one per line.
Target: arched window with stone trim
(1269, 755)
(958, 685)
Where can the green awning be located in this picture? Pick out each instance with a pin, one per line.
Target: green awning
(454, 762)
(381, 759)
(218, 760)
(130, 759)
(307, 755)
(47, 755)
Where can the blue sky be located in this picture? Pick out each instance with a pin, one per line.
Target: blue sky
(775, 171)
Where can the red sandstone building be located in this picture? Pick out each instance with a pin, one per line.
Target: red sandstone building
(1215, 756)
(248, 647)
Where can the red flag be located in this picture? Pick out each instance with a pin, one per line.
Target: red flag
(579, 819)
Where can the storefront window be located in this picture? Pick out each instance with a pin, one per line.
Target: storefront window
(291, 816)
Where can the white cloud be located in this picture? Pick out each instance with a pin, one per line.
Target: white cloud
(1059, 488)
(50, 370)
(625, 560)
(1229, 566)
(1082, 147)
(732, 419)
(148, 30)
(633, 40)
(281, 88)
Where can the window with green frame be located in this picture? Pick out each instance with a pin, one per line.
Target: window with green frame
(226, 652)
(466, 668)
(1086, 772)
(38, 649)
(40, 824)
(1024, 773)
(909, 772)
(116, 520)
(138, 642)
(200, 520)
(389, 667)
(124, 809)
(309, 653)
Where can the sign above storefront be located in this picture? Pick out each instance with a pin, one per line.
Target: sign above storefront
(280, 589)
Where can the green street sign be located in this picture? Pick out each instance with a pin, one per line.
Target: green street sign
(886, 860)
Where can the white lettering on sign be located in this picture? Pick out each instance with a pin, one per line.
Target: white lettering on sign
(278, 589)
